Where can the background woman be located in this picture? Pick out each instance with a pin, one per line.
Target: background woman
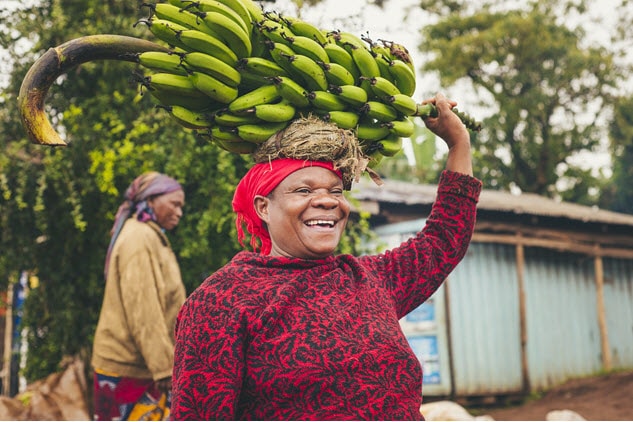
(134, 343)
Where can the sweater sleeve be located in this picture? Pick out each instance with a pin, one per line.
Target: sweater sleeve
(209, 359)
(414, 270)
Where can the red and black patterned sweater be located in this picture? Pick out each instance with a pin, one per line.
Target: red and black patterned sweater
(274, 338)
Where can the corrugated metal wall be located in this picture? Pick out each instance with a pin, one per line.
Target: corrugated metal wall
(618, 297)
(485, 327)
(563, 338)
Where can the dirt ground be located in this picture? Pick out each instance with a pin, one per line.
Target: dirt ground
(602, 398)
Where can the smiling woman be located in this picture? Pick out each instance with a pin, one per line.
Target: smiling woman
(291, 331)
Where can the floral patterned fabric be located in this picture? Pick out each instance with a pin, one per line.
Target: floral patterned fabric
(275, 338)
(128, 399)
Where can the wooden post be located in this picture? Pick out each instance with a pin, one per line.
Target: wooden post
(520, 257)
(602, 319)
(8, 342)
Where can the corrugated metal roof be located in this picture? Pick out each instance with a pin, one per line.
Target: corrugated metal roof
(398, 192)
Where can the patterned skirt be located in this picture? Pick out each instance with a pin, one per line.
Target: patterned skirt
(119, 398)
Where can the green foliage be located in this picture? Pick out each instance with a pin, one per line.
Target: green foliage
(548, 93)
(618, 195)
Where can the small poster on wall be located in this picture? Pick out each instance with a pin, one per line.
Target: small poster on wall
(425, 348)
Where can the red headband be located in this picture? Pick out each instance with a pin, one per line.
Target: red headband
(262, 179)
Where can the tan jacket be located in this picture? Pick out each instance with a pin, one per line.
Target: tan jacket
(143, 294)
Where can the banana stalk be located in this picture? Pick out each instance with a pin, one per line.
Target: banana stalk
(59, 60)
(429, 110)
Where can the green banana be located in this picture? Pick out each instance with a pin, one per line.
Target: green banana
(255, 10)
(391, 145)
(261, 66)
(162, 61)
(225, 133)
(279, 52)
(403, 127)
(236, 147)
(278, 112)
(354, 95)
(375, 158)
(176, 99)
(403, 76)
(224, 117)
(179, 3)
(340, 55)
(241, 7)
(383, 64)
(182, 17)
(275, 31)
(399, 52)
(337, 74)
(379, 111)
(250, 81)
(239, 15)
(232, 33)
(199, 41)
(165, 30)
(342, 118)
(310, 72)
(213, 87)
(365, 83)
(346, 39)
(189, 118)
(380, 49)
(258, 40)
(170, 83)
(300, 27)
(369, 130)
(259, 132)
(211, 65)
(325, 100)
(403, 103)
(365, 61)
(262, 95)
(308, 47)
(291, 91)
(383, 87)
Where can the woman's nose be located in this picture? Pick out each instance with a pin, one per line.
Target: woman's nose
(326, 200)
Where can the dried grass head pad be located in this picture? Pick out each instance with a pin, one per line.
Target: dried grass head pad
(310, 138)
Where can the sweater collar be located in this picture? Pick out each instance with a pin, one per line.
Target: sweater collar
(159, 230)
(259, 260)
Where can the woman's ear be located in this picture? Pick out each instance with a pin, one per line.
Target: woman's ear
(261, 207)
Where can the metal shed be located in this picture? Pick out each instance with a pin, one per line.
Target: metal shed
(544, 294)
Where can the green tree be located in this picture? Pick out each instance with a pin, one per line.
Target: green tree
(58, 204)
(547, 92)
(618, 195)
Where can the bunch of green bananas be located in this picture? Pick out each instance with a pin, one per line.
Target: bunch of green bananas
(237, 75)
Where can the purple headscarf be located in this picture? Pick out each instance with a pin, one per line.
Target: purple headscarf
(140, 190)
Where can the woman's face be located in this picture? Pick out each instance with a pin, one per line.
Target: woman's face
(168, 208)
(305, 214)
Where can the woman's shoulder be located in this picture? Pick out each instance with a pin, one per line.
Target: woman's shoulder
(137, 234)
(246, 275)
